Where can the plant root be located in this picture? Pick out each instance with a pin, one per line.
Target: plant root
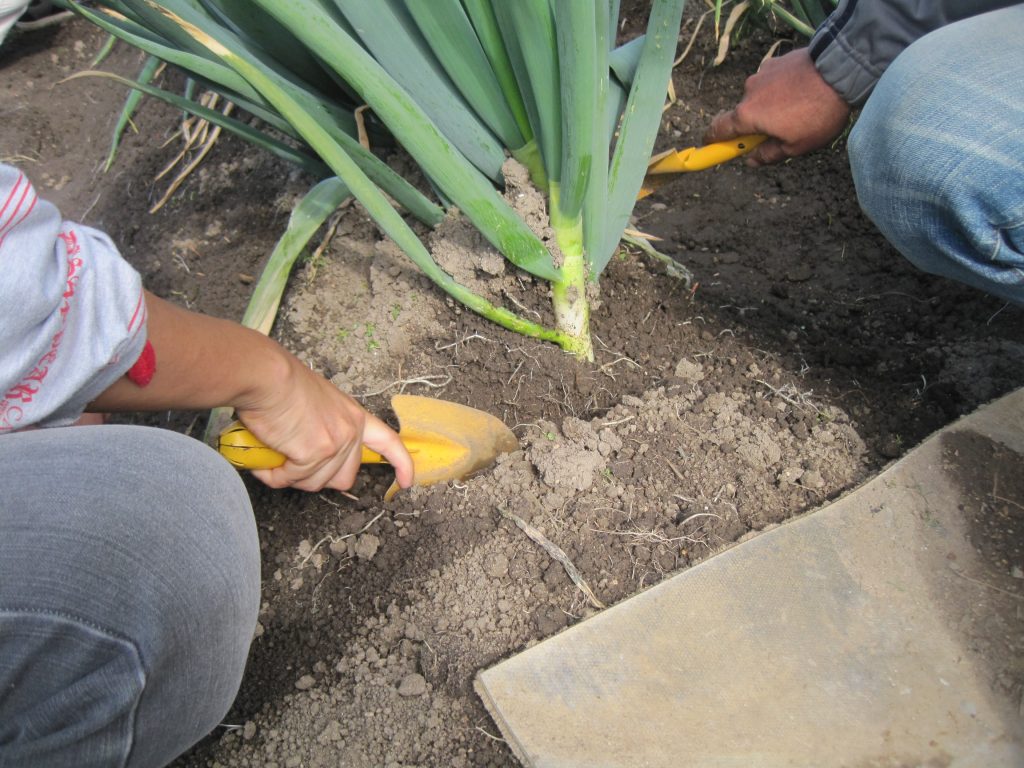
(195, 131)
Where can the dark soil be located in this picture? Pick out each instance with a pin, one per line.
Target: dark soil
(806, 355)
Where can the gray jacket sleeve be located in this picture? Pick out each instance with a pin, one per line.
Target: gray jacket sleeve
(855, 44)
(72, 311)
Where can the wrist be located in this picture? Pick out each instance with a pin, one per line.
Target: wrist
(271, 372)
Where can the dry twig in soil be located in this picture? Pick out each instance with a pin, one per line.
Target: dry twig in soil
(556, 552)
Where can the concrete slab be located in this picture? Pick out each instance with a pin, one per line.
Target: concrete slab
(883, 630)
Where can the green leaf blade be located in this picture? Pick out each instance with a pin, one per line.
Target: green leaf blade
(481, 15)
(640, 122)
(390, 35)
(453, 40)
(595, 203)
(528, 29)
(579, 84)
(131, 103)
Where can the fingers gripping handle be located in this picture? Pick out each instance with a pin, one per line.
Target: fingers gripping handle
(244, 450)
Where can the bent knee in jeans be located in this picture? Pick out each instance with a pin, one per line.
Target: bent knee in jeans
(937, 153)
(129, 586)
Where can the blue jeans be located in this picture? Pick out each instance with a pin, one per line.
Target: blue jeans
(938, 153)
(129, 588)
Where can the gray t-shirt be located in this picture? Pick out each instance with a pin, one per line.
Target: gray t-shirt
(72, 311)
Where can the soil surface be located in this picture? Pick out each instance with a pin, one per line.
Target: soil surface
(804, 356)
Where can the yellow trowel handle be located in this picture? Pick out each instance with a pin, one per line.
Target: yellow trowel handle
(701, 158)
(242, 448)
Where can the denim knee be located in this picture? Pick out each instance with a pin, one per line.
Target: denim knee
(936, 153)
(129, 565)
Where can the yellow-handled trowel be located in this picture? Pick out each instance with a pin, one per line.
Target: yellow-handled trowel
(663, 167)
(447, 441)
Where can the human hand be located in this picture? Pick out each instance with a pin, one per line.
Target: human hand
(787, 100)
(320, 430)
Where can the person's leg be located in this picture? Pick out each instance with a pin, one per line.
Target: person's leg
(129, 588)
(938, 153)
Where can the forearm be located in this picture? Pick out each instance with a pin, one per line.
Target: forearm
(201, 362)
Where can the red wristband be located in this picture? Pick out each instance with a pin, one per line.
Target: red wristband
(141, 373)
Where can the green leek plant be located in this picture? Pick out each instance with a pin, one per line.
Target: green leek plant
(460, 85)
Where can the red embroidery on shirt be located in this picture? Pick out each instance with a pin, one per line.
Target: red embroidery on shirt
(14, 191)
(30, 195)
(70, 239)
(22, 393)
(139, 313)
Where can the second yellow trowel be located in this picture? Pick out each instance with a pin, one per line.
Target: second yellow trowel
(663, 168)
(447, 441)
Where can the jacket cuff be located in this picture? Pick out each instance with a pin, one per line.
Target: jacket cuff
(842, 66)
